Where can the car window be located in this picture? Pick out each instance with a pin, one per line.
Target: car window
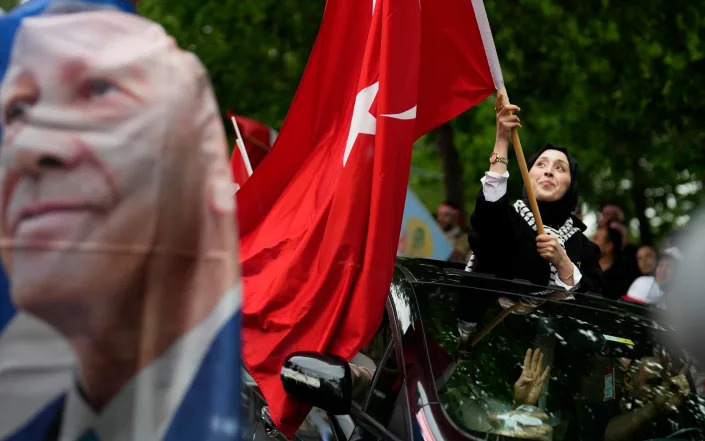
(607, 368)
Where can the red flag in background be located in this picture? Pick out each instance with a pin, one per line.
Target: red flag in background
(258, 139)
(320, 219)
(238, 168)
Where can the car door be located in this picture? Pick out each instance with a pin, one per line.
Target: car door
(254, 425)
(382, 412)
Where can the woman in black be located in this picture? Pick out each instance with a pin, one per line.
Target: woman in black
(503, 237)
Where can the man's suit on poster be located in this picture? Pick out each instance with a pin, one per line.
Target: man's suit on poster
(209, 411)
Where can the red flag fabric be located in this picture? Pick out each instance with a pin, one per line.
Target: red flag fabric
(258, 139)
(238, 168)
(320, 219)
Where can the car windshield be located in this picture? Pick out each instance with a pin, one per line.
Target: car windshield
(553, 367)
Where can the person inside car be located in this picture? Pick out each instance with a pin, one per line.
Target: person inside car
(489, 413)
(529, 386)
(650, 392)
(503, 236)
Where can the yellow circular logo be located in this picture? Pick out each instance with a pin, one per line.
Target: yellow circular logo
(418, 238)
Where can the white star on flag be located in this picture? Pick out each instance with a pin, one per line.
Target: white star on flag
(364, 122)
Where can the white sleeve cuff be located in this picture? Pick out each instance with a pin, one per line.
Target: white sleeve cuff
(577, 275)
(494, 185)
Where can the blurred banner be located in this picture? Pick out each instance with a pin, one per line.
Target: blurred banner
(420, 234)
(28, 346)
(118, 237)
(10, 21)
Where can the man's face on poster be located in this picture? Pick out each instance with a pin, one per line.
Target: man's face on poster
(79, 169)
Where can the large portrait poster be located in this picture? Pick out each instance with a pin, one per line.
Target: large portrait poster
(118, 237)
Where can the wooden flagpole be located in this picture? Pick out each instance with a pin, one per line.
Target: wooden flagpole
(504, 100)
(491, 325)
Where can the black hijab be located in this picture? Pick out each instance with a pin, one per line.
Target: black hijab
(554, 214)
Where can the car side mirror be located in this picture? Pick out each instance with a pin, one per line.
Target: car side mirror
(321, 380)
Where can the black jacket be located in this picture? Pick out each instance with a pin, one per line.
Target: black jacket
(617, 280)
(505, 245)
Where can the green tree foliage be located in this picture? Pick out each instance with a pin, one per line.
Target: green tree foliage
(6, 5)
(255, 50)
(617, 82)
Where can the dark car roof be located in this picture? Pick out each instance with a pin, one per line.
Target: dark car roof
(437, 272)
(638, 324)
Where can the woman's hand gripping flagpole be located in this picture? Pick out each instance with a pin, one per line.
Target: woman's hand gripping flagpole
(502, 101)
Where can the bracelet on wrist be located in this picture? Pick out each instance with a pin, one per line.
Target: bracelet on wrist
(565, 279)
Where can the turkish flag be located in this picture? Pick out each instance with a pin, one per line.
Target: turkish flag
(320, 219)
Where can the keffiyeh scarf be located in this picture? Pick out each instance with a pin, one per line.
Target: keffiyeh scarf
(565, 232)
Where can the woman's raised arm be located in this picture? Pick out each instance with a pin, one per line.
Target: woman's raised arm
(506, 121)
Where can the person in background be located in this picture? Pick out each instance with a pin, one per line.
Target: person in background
(611, 213)
(644, 291)
(669, 259)
(615, 272)
(448, 218)
(650, 290)
(612, 216)
(646, 257)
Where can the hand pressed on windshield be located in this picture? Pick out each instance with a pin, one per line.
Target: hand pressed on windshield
(529, 386)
